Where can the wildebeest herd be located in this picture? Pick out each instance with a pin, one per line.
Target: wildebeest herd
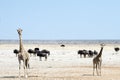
(43, 53)
(87, 53)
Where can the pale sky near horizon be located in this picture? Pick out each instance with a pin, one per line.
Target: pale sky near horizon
(60, 19)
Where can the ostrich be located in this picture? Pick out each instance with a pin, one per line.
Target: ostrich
(16, 52)
(43, 53)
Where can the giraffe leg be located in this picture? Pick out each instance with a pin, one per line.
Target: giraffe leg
(97, 68)
(24, 64)
(27, 66)
(19, 68)
(24, 67)
(100, 67)
(93, 68)
(45, 57)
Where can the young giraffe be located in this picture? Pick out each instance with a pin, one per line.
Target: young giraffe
(98, 60)
(23, 55)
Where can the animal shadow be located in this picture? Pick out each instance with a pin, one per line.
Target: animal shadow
(9, 77)
(87, 75)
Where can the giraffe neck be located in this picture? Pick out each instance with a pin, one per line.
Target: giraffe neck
(100, 53)
(21, 45)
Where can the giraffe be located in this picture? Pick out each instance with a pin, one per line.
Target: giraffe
(98, 60)
(23, 55)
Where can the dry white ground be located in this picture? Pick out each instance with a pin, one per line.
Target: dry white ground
(63, 64)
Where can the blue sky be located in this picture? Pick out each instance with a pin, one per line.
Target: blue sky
(60, 19)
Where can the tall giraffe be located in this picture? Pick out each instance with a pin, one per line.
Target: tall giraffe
(97, 61)
(23, 55)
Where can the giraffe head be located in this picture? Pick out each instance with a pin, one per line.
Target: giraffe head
(102, 45)
(19, 31)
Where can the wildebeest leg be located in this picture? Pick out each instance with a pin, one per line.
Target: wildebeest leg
(34, 54)
(40, 58)
(80, 55)
(84, 55)
(46, 58)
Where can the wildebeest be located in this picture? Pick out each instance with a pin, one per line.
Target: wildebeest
(33, 51)
(36, 49)
(116, 49)
(16, 52)
(62, 45)
(82, 52)
(30, 51)
(91, 53)
(43, 53)
(95, 52)
(88, 53)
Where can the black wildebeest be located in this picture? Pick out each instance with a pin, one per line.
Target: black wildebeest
(36, 49)
(83, 52)
(62, 45)
(116, 49)
(43, 53)
(95, 52)
(90, 53)
(33, 51)
(16, 52)
(30, 51)
(80, 52)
